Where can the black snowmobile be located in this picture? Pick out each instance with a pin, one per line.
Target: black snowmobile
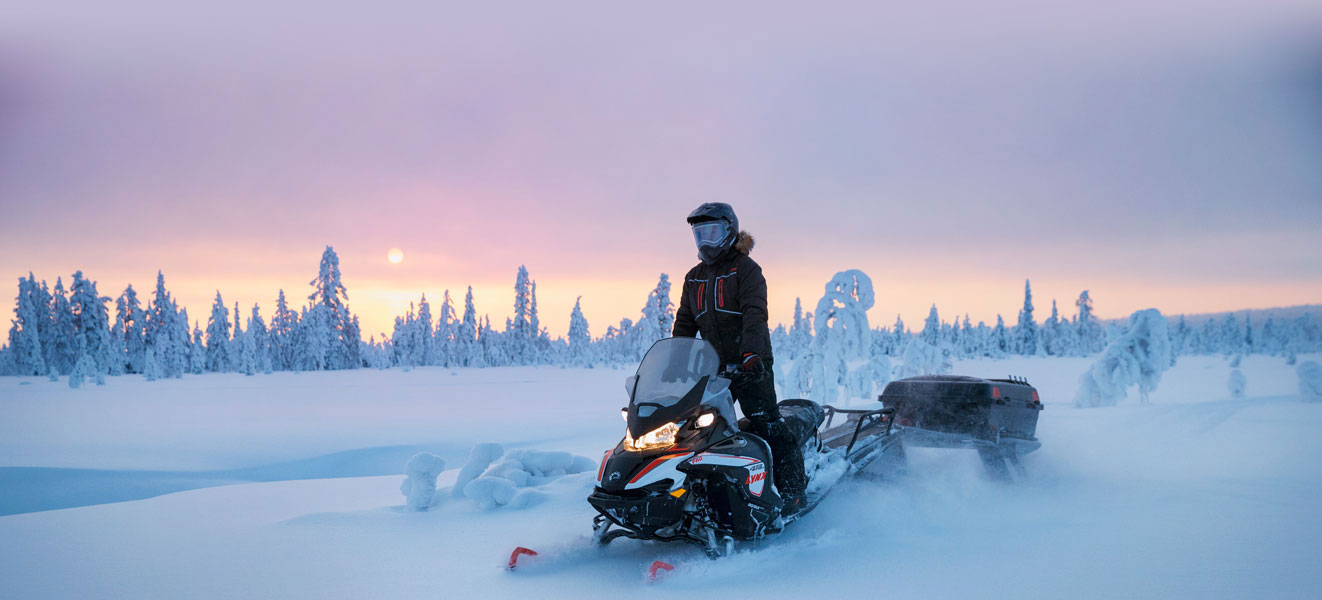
(688, 470)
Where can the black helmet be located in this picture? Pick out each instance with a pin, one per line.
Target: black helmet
(715, 227)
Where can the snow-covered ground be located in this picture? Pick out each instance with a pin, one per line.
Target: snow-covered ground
(1200, 495)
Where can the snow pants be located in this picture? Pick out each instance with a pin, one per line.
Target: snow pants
(758, 401)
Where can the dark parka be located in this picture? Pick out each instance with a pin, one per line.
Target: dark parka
(727, 302)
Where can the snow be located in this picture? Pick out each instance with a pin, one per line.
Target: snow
(1237, 383)
(1310, 381)
(420, 480)
(1197, 495)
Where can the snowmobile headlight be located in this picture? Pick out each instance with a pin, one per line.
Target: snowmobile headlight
(706, 419)
(661, 437)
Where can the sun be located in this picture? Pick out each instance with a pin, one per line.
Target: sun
(395, 256)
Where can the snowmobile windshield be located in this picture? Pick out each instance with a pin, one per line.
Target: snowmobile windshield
(668, 376)
(710, 233)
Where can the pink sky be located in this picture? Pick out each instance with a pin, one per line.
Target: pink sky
(1162, 161)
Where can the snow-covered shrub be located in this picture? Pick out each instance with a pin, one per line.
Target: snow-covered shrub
(493, 478)
(1237, 383)
(1138, 356)
(420, 480)
(1310, 381)
(921, 358)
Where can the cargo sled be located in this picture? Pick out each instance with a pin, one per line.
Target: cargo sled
(996, 417)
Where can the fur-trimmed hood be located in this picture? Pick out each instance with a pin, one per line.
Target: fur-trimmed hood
(743, 243)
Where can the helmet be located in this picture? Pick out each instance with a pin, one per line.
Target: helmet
(715, 227)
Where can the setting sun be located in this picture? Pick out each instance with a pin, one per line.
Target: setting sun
(395, 256)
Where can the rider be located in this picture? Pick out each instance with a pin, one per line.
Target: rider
(725, 298)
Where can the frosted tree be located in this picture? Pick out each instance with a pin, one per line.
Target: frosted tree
(580, 340)
(1087, 330)
(931, 328)
(131, 330)
(61, 353)
(1138, 356)
(260, 341)
(446, 325)
(283, 323)
(167, 331)
(1026, 331)
(237, 343)
(423, 334)
(340, 341)
(91, 321)
(800, 334)
(466, 333)
(658, 316)
(151, 369)
(25, 334)
(518, 330)
(1000, 339)
(218, 337)
(922, 358)
(197, 352)
(841, 357)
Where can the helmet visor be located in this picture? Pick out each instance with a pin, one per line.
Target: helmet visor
(710, 233)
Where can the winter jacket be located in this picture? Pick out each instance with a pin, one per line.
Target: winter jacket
(727, 302)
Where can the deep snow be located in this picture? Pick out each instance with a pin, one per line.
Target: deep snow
(1199, 495)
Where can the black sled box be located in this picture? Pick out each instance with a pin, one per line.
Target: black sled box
(984, 409)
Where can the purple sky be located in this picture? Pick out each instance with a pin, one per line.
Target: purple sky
(1166, 155)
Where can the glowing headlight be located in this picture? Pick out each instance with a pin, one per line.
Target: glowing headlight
(661, 437)
(706, 419)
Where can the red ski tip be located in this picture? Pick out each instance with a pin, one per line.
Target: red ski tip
(657, 567)
(514, 556)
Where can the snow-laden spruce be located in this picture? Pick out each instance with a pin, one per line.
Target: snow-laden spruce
(1310, 381)
(1139, 356)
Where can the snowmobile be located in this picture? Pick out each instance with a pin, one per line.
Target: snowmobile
(688, 470)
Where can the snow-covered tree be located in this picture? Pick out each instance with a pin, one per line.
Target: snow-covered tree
(218, 337)
(580, 340)
(60, 352)
(1026, 332)
(658, 316)
(91, 321)
(446, 330)
(1001, 343)
(339, 340)
(931, 334)
(1089, 332)
(1139, 356)
(25, 335)
(131, 331)
(841, 357)
(423, 333)
(466, 334)
(283, 323)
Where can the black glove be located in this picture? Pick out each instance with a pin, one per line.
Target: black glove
(752, 366)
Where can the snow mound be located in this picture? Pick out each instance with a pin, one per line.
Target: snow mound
(495, 479)
(1237, 383)
(479, 459)
(1310, 381)
(420, 480)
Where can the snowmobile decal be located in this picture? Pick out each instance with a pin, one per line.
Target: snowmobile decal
(661, 468)
(602, 469)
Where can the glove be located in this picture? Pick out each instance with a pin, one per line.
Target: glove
(752, 365)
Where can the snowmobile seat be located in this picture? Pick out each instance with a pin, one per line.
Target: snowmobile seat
(803, 417)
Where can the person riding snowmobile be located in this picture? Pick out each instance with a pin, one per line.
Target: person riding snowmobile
(725, 299)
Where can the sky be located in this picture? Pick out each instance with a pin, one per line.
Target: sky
(1161, 155)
